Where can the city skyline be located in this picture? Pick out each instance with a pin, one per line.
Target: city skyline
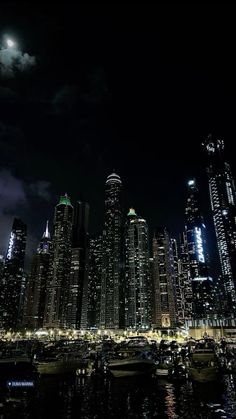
(118, 280)
(129, 111)
(152, 223)
(117, 209)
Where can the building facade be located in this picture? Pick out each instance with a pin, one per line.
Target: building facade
(78, 282)
(137, 275)
(185, 278)
(111, 264)
(198, 260)
(59, 270)
(164, 280)
(223, 205)
(11, 304)
(37, 285)
(94, 281)
(178, 283)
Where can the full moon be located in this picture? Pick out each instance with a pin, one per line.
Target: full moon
(10, 43)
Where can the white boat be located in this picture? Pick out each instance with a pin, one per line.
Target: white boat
(68, 363)
(163, 366)
(130, 367)
(204, 365)
(134, 359)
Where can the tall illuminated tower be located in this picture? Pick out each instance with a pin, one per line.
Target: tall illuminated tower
(1, 265)
(178, 283)
(78, 285)
(163, 280)
(223, 204)
(12, 277)
(136, 272)
(111, 265)
(184, 278)
(94, 281)
(196, 242)
(58, 285)
(38, 283)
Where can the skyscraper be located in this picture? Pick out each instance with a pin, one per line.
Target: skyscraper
(136, 272)
(12, 278)
(1, 269)
(111, 265)
(178, 283)
(196, 241)
(78, 284)
(223, 204)
(94, 281)
(184, 277)
(164, 280)
(58, 284)
(38, 283)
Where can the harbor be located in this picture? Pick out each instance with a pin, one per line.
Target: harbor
(135, 376)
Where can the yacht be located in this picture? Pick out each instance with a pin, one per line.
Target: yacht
(204, 365)
(60, 364)
(131, 362)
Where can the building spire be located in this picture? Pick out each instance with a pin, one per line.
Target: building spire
(46, 234)
(131, 212)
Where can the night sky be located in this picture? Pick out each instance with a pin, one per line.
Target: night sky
(134, 88)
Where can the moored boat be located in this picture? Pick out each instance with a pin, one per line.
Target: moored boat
(66, 364)
(204, 366)
(131, 366)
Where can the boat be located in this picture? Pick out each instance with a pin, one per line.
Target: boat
(163, 365)
(204, 365)
(63, 364)
(131, 363)
(177, 372)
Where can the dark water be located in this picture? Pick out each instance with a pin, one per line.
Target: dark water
(126, 398)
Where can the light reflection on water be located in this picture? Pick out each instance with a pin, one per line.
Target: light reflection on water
(128, 398)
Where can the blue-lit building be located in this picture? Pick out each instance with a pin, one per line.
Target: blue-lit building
(13, 280)
(198, 258)
(223, 205)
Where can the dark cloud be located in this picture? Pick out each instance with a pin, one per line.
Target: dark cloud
(7, 96)
(16, 200)
(12, 199)
(11, 142)
(98, 89)
(40, 189)
(12, 60)
(66, 99)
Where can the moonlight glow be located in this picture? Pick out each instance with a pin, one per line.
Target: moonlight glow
(10, 43)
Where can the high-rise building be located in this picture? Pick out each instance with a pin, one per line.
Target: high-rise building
(178, 284)
(94, 281)
(196, 241)
(137, 275)
(111, 265)
(59, 275)
(164, 280)
(78, 285)
(38, 283)
(223, 204)
(1, 265)
(151, 291)
(185, 279)
(13, 277)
